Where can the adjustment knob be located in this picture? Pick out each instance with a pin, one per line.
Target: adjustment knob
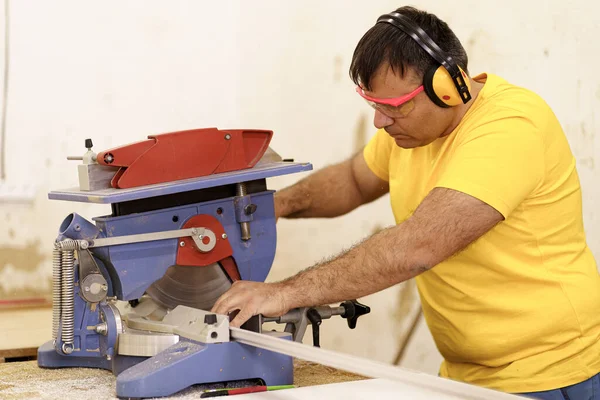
(353, 310)
(210, 319)
(88, 143)
(250, 209)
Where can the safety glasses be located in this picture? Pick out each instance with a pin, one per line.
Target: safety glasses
(393, 107)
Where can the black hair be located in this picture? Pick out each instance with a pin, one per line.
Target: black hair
(386, 43)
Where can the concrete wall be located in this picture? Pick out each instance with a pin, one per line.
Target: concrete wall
(117, 71)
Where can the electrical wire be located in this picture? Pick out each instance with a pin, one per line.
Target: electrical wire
(4, 93)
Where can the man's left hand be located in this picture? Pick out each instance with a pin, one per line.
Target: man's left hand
(252, 298)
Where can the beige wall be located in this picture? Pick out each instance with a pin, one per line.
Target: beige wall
(117, 71)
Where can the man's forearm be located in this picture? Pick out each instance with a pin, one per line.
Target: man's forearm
(379, 262)
(445, 222)
(329, 192)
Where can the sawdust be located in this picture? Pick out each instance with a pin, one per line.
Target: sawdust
(22, 395)
(25, 380)
(312, 374)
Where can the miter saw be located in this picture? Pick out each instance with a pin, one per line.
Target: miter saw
(191, 214)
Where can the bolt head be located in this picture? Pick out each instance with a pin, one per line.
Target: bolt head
(67, 348)
(224, 236)
(182, 244)
(227, 136)
(109, 158)
(87, 288)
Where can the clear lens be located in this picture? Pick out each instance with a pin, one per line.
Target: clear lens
(393, 112)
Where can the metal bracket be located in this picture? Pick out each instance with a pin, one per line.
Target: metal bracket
(296, 320)
(197, 234)
(191, 323)
(94, 287)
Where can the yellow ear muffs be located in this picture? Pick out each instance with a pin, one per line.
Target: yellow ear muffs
(440, 87)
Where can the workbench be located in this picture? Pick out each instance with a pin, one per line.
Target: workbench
(25, 380)
(22, 331)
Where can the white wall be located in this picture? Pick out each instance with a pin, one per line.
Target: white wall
(117, 71)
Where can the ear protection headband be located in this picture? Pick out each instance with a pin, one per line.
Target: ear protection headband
(446, 84)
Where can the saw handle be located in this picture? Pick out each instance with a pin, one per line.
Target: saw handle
(297, 319)
(314, 317)
(352, 310)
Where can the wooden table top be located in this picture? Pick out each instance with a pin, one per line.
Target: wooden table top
(25, 380)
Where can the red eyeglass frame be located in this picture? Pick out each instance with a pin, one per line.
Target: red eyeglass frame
(394, 101)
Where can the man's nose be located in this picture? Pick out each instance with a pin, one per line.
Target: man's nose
(381, 120)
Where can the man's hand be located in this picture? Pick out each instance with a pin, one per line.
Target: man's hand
(251, 298)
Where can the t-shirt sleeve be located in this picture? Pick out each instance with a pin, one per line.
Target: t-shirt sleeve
(500, 163)
(377, 154)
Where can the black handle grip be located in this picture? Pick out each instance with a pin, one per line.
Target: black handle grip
(353, 310)
(315, 320)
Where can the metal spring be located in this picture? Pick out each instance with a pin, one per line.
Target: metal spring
(56, 290)
(68, 309)
(70, 244)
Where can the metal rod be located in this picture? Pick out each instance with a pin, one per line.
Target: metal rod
(242, 191)
(245, 226)
(365, 367)
(146, 237)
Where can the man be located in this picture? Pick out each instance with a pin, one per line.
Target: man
(487, 202)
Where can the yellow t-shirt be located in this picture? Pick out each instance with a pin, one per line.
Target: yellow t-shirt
(519, 309)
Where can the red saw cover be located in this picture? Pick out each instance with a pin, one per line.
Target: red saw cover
(185, 154)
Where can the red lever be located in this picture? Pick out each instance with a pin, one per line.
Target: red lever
(189, 255)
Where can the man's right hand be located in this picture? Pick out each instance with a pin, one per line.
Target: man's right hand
(252, 298)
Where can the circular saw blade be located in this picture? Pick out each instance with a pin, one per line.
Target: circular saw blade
(197, 287)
